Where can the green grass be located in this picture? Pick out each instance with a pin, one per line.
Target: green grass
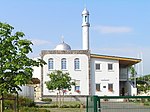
(66, 109)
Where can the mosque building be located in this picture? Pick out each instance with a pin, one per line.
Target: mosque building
(94, 74)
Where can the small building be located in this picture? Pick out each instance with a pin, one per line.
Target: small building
(94, 74)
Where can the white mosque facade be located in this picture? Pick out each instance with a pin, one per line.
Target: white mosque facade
(94, 74)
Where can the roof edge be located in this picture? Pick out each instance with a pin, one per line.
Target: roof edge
(135, 60)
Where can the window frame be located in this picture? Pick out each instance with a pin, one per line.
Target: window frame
(110, 68)
(99, 88)
(99, 66)
(110, 87)
(77, 64)
(63, 64)
(77, 86)
(50, 64)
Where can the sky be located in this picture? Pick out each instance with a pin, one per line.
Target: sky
(117, 27)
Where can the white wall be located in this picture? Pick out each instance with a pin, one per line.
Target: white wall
(130, 89)
(37, 71)
(27, 91)
(104, 77)
(81, 74)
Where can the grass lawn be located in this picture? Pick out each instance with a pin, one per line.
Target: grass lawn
(66, 109)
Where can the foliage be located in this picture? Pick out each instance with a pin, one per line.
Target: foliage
(147, 103)
(143, 83)
(29, 109)
(15, 66)
(59, 81)
(23, 101)
(67, 109)
(133, 71)
(47, 100)
(66, 104)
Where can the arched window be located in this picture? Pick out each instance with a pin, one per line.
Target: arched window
(76, 64)
(50, 64)
(63, 64)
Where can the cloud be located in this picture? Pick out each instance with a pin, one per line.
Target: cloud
(112, 29)
(39, 41)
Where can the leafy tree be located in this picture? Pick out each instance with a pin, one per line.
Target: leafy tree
(15, 66)
(132, 71)
(133, 74)
(59, 81)
(143, 83)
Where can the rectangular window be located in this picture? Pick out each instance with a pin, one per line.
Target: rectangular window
(77, 64)
(98, 88)
(50, 64)
(110, 66)
(98, 66)
(63, 64)
(110, 87)
(77, 86)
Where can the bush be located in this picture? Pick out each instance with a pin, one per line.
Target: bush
(47, 100)
(64, 106)
(147, 103)
(29, 109)
(23, 101)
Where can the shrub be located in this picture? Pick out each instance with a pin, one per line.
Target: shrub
(47, 100)
(147, 103)
(29, 109)
(23, 101)
(64, 106)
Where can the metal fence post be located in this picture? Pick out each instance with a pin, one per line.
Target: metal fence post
(87, 104)
(99, 105)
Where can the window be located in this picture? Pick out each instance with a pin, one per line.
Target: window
(98, 88)
(85, 18)
(76, 64)
(77, 86)
(63, 64)
(50, 64)
(97, 66)
(110, 87)
(110, 66)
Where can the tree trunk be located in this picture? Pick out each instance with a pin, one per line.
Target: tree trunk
(57, 102)
(2, 103)
(17, 102)
(63, 98)
(59, 99)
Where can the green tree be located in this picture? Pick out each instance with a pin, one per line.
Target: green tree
(59, 81)
(143, 83)
(132, 71)
(133, 74)
(15, 66)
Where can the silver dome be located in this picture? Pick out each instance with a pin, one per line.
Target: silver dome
(62, 46)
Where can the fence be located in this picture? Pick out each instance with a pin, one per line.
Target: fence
(118, 104)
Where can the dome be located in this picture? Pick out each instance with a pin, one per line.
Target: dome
(85, 11)
(62, 46)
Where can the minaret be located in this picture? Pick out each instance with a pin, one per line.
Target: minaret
(85, 29)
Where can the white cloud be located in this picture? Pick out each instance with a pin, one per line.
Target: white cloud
(39, 41)
(112, 29)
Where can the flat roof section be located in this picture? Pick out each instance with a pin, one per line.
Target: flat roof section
(123, 61)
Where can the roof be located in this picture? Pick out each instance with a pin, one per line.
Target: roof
(85, 11)
(123, 61)
(62, 46)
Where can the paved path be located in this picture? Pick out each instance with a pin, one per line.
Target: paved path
(123, 107)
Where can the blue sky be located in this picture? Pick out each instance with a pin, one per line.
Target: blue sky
(118, 27)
